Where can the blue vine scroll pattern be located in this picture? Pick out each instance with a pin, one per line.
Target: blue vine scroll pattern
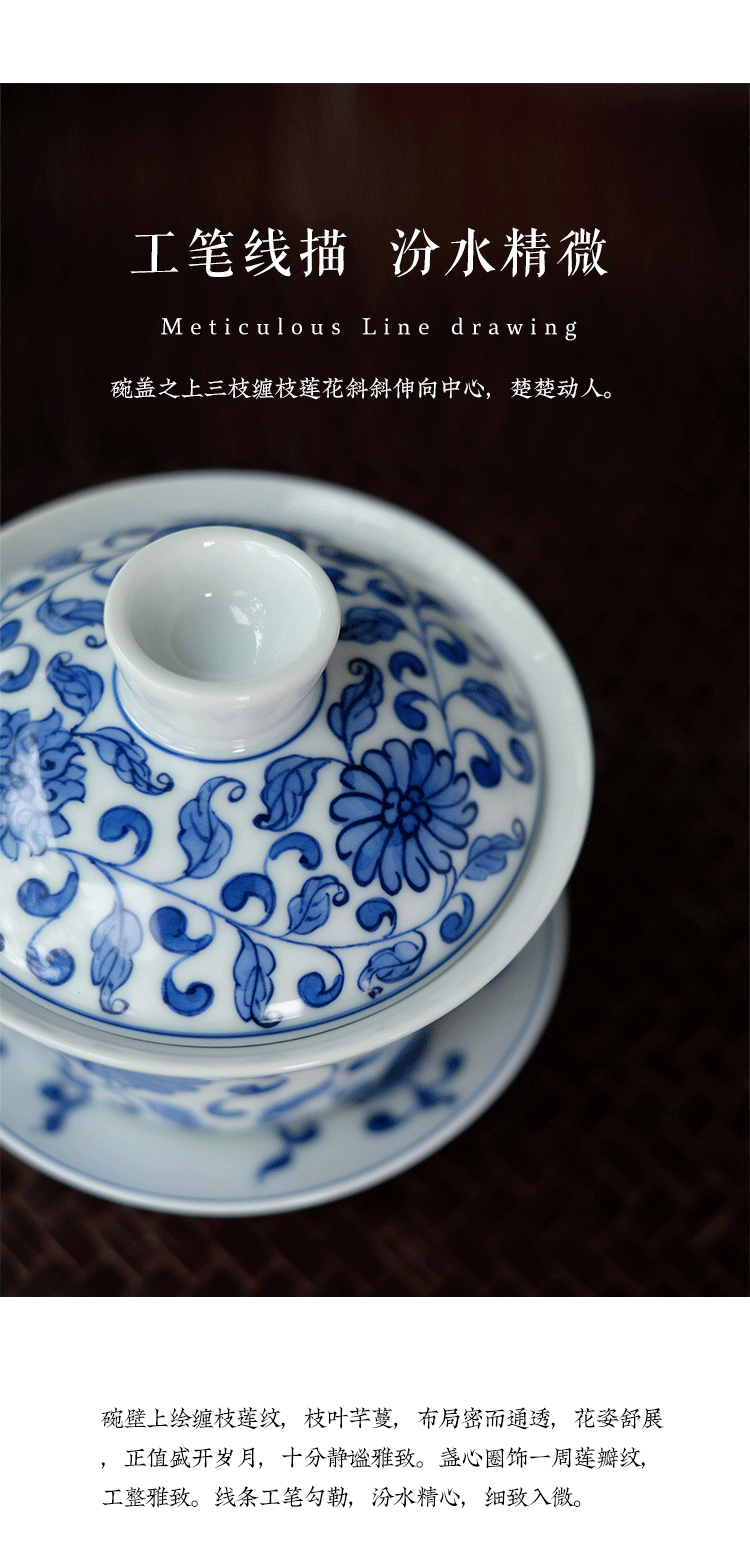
(408, 1083)
(309, 882)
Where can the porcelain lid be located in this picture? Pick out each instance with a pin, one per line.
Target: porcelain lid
(252, 889)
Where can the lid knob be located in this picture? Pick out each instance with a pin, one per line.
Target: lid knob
(220, 636)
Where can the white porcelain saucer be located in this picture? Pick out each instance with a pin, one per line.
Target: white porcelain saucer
(453, 1074)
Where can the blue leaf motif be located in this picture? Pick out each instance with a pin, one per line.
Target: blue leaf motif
(282, 1160)
(526, 774)
(78, 687)
(61, 560)
(188, 1003)
(175, 1115)
(258, 1088)
(356, 711)
(249, 884)
(253, 967)
(168, 926)
(64, 615)
(340, 556)
(401, 1066)
(35, 898)
(391, 964)
(56, 968)
(378, 1122)
(405, 708)
(424, 1096)
(311, 908)
(133, 1080)
(427, 1097)
(337, 577)
(23, 589)
(403, 660)
(203, 836)
(426, 600)
(310, 853)
(116, 822)
(290, 1139)
(491, 699)
(386, 593)
(374, 911)
(455, 925)
(488, 856)
(370, 624)
(10, 629)
(452, 650)
(486, 771)
(289, 782)
(312, 988)
(128, 759)
(288, 1104)
(11, 682)
(64, 1101)
(113, 943)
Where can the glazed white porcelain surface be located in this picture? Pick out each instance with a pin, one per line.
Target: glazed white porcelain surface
(455, 1071)
(339, 938)
(357, 861)
(220, 636)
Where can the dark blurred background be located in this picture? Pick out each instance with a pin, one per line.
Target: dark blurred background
(616, 1163)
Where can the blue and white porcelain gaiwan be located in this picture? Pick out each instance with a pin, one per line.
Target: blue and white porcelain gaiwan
(285, 777)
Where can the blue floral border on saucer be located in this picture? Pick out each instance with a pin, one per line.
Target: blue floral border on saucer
(445, 1079)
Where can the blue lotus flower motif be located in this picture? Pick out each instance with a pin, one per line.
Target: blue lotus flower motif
(37, 777)
(406, 811)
